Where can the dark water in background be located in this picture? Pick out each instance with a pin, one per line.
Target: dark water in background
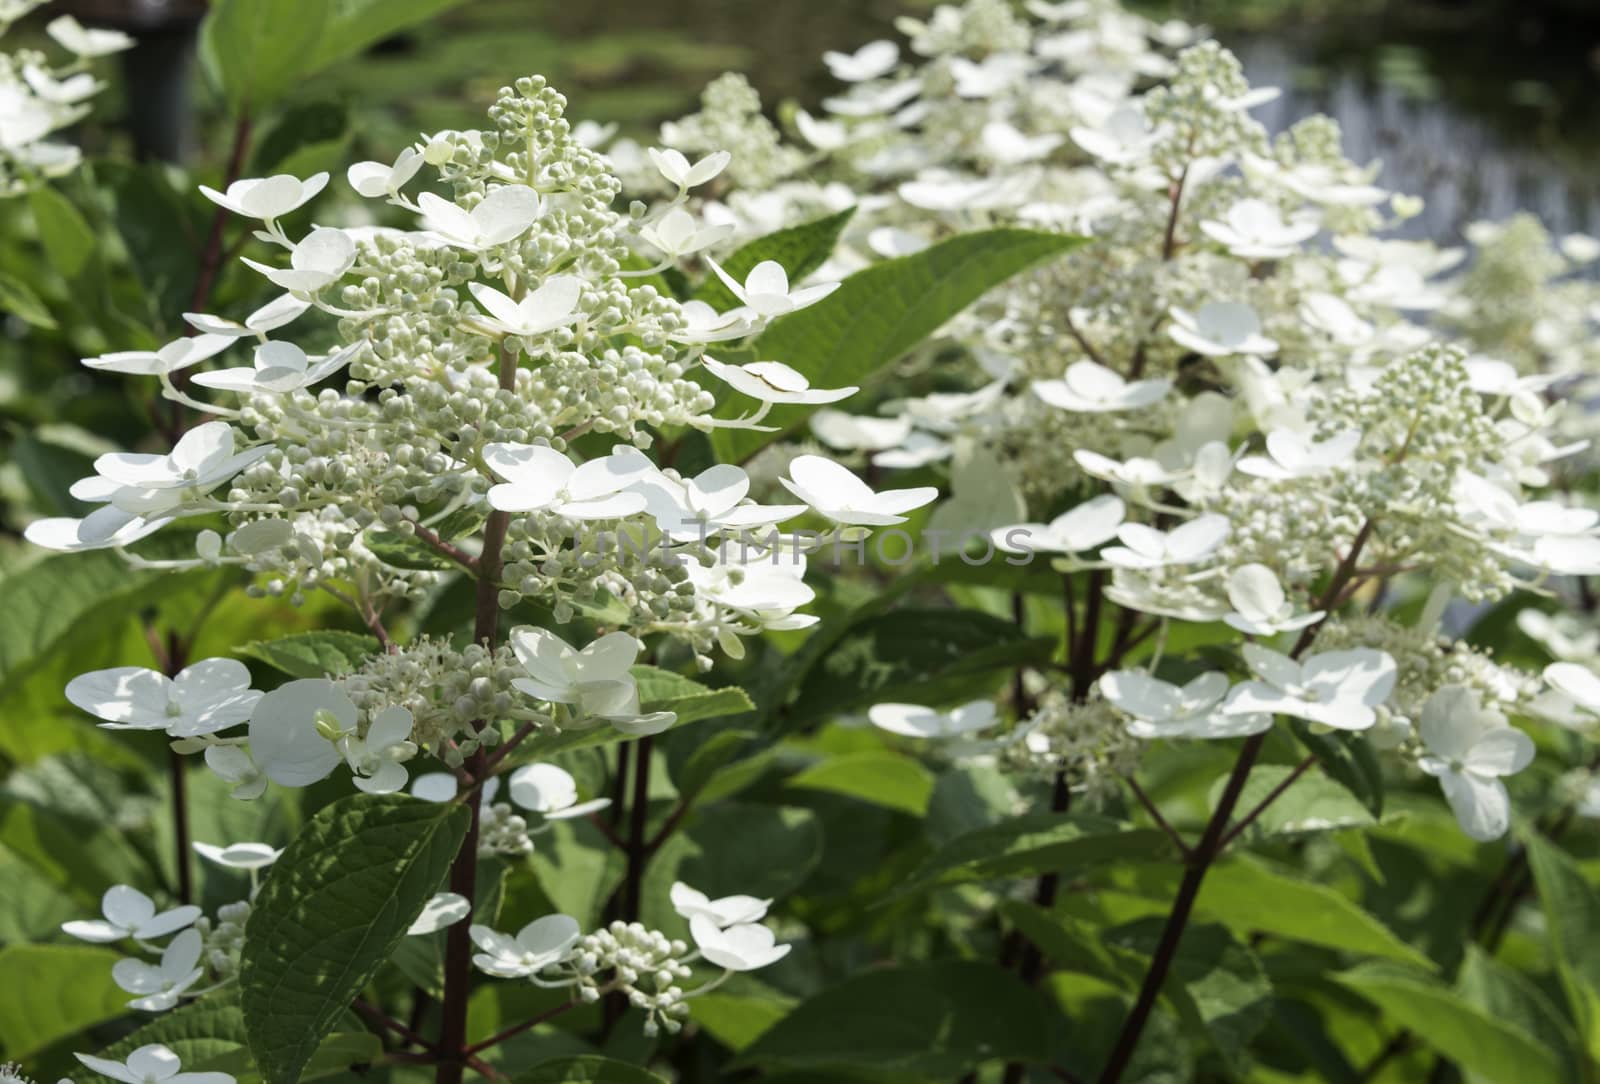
(1485, 107)
(1463, 161)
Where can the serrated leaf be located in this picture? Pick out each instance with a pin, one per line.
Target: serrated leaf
(800, 250)
(332, 911)
(1477, 1041)
(1034, 844)
(888, 779)
(322, 653)
(208, 1035)
(881, 313)
(937, 1020)
(52, 991)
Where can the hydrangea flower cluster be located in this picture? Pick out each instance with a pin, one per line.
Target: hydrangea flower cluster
(39, 97)
(1237, 392)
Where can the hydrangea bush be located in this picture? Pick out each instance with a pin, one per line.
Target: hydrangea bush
(1014, 578)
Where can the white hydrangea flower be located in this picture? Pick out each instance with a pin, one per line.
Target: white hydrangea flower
(552, 792)
(320, 260)
(245, 856)
(267, 198)
(176, 355)
(205, 697)
(1091, 388)
(442, 909)
(376, 758)
(294, 728)
(1160, 709)
(872, 61)
(374, 179)
(837, 494)
(151, 1064)
(742, 947)
(1292, 454)
(1145, 547)
(773, 382)
(917, 721)
(1219, 329)
(1260, 607)
(160, 985)
(538, 477)
(1338, 689)
(724, 912)
(542, 943)
(1469, 748)
(1081, 528)
(129, 913)
(766, 289)
(278, 367)
(554, 304)
(504, 215)
(1254, 230)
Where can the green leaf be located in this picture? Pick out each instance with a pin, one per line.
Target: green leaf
(331, 912)
(578, 869)
(257, 50)
(1479, 1042)
(736, 1020)
(916, 656)
(662, 690)
(1249, 897)
(304, 138)
(69, 242)
(1349, 760)
(799, 249)
(1034, 844)
(199, 1031)
(355, 25)
(1511, 996)
(881, 313)
(968, 797)
(18, 298)
(1217, 985)
(708, 758)
(1572, 914)
(52, 991)
(937, 1019)
(882, 778)
(322, 653)
(163, 237)
(587, 1069)
(1313, 803)
(732, 847)
(208, 1035)
(67, 598)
